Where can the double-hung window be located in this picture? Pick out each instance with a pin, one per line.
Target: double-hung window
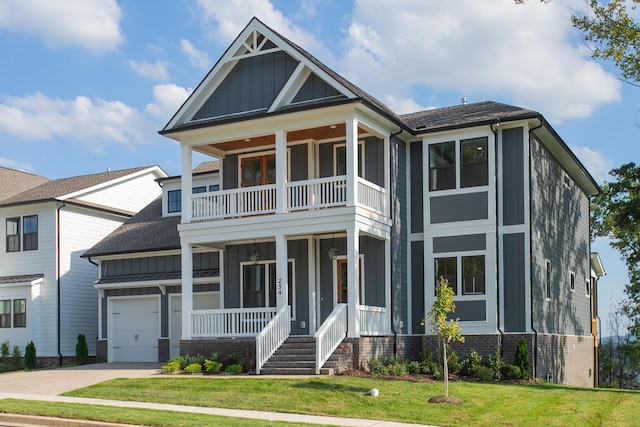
(13, 234)
(458, 164)
(22, 233)
(5, 313)
(18, 315)
(30, 233)
(471, 275)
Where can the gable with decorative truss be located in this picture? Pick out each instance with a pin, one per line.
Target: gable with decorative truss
(260, 72)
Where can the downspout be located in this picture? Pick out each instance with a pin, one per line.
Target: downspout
(533, 329)
(494, 129)
(59, 280)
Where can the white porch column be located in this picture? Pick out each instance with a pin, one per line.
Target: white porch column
(282, 272)
(352, 161)
(353, 282)
(186, 182)
(281, 171)
(187, 289)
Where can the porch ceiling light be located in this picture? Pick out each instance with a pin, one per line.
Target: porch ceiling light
(332, 250)
(254, 254)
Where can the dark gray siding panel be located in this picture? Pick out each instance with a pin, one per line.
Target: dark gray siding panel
(299, 163)
(374, 160)
(399, 249)
(208, 261)
(373, 251)
(513, 176)
(314, 88)
(417, 286)
(251, 85)
(298, 250)
(514, 284)
(469, 311)
(417, 214)
(164, 315)
(105, 313)
(469, 242)
(230, 172)
(462, 207)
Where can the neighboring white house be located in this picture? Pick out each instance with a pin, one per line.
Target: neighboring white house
(45, 286)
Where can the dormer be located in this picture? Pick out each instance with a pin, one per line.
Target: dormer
(206, 178)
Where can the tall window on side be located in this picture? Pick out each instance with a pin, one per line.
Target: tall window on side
(572, 281)
(547, 282)
(19, 313)
(30, 232)
(13, 234)
(5, 313)
(341, 160)
(442, 166)
(473, 275)
(447, 268)
(174, 201)
(473, 162)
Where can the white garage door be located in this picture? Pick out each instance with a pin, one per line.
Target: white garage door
(135, 329)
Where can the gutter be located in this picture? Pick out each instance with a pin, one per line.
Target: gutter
(58, 280)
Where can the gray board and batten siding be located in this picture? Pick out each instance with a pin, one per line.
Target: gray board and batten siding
(399, 236)
(513, 173)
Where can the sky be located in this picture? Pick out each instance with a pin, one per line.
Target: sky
(86, 85)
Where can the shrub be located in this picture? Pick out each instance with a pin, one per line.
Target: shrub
(511, 372)
(377, 367)
(5, 367)
(193, 368)
(172, 367)
(232, 359)
(471, 363)
(212, 366)
(453, 362)
(82, 350)
(496, 363)
(190, 360)
(413, 367)
(4, 351)
(427, 364)
(483, 373)
(16, 356)
(398, 369)
(521, 360)
(233, 369)
(30, 360)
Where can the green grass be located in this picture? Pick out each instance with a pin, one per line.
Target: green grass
(485, 404)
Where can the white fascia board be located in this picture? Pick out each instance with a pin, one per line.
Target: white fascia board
(291, 87)
(150, 283)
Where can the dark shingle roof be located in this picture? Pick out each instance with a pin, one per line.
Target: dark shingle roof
(57, 188)
(14, 182)
(20, 279)
(464, 115)
(205, 167)
(145, 231)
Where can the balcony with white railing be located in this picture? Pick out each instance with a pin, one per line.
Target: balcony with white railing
(300, 196)
(235, 322)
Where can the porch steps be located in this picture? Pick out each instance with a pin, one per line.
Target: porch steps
(297, 356)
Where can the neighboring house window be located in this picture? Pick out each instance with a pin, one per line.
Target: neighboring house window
(30, 232)
(442, 166)
(547, 284)
(5, 313)
(196, 190)
(174, 201)
(572, 281)
(473, 275)
(214, 187)
(19, 313)
(341, 159)
(13, 234)
(447, 268)
(472, 164)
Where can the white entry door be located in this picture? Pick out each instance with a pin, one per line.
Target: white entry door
(135, 329)
(201, 301)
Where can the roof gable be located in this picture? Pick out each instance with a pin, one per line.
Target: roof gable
(14, 182)
(261, 72)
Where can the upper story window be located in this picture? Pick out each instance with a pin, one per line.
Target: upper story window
(27, 238)
(215, 187)
(258, 170)
(469, 168)
(341, 159)
(201, 189)
(174, 201)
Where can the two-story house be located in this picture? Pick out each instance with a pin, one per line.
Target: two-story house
(47, 225)
(334, 217)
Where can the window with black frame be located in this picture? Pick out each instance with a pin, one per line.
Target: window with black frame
(442, 166)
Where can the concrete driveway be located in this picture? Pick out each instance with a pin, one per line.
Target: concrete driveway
(57, 381)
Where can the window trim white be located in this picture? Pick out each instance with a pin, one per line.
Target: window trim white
(270, 263)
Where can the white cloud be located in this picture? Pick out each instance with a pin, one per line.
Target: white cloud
(521, 52)
(89, 24)
(197, 58)
(404, 105)
(167, 99)
(156, 71)
(596, 163)
(93, 122)
(13, 164)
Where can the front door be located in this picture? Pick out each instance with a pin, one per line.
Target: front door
(342, 289)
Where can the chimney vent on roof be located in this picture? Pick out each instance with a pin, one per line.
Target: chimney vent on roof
(463, 100)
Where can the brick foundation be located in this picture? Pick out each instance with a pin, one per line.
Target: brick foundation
(102, 351)
(566, 359)
(164, 349)
(222, 347)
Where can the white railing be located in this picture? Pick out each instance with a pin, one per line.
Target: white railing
(330, 335)
(272, 337)
(237, 322)
(256, 200)
(372, 196)
(373, 320)
(317, 193)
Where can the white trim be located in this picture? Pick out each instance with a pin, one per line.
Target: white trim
(334, 267)
(269, 264)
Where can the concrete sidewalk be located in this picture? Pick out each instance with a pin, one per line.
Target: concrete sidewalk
(47, 385)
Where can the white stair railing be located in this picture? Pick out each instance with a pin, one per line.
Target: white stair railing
(330, 335)
(272, 336)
